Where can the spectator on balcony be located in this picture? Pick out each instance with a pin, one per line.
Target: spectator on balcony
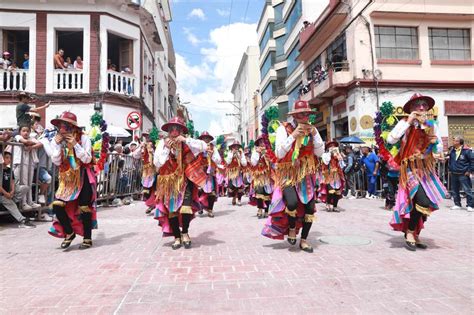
(13, 66)
(59, 59)
(24, 160)
(9, 195)
(113, 67)
(23, 110)
(78, 63)
(109, 64)
(337, 61)
(5, 61)
(26, 63)
(69, 64)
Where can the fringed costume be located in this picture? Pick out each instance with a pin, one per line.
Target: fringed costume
(333, 176)
(262, 182)
(235, 162)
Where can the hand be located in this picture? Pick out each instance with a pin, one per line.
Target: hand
(8, 195)
(47, 104)
(433, 139)
(180, 139)
(298, 132)
(468, 174)
(71, 140)
(169, 143)
(374, 173)
(412, 117)
(58, 138)
(314, 131)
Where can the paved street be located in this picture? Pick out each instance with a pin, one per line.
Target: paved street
(232, 269)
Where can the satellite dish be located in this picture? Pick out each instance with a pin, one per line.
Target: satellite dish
(378, 74)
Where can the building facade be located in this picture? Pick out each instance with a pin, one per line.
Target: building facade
(126, 51)
(278, 33)
(245, 91)
(359, 54)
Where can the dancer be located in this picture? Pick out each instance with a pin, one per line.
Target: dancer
(145, 152)
(333, 175)
(235, 161)
(180, 174)
(261, 177)
(211, 158)
(298, 144)
(420, 189)
(74, 200)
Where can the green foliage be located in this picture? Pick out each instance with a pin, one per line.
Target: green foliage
(96, 118)
(190, 126)
(220, 140)
(196, 134)
(154, 134)
(386, 109)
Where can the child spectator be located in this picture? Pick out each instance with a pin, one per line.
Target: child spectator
(24, 160)
(78, 63)
(8, 193)
(69, 64)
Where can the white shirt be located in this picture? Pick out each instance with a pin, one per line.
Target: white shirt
(254, 158)
(21, 156)
(162, 152)
(402, 126)
(283, 143)
(230, 155)
(82, 151)
(216, 157)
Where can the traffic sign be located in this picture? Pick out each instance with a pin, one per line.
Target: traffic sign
(134, 120)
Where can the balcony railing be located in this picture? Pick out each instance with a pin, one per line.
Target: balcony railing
(68, 80)
(322, 80)
(14, 80)
(120, 83)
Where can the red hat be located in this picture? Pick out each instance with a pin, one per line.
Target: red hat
(235, 144)
(206, 135)
(66, 117)
(332, 144)
(259, 138)
(417, 97)
(301, 107)
(175, 121)
(6, 53)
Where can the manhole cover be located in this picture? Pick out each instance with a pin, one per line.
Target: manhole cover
(345, 240)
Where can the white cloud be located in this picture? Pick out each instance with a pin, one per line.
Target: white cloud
(191, 37)
(189, 76)
(223, 12)
(198, 13)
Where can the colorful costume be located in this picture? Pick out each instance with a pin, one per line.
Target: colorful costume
(420, 189)
(74, 203)
(148, 174)
(235, 162)
(262, 182)
(211, 159)
(180, 174)
(333, 176)
(293, 200)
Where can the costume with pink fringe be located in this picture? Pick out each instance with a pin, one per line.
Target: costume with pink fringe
(148, 174)
(333, 176)
(236, 161)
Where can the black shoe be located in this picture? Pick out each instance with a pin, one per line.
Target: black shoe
(410, 246)
(68, 240)
(86, 243)
(26, 224)
(187, 244)
(149, 210)
(307, 248)
(421, 246)
(200, 212)
(176, 244)
(291, 239)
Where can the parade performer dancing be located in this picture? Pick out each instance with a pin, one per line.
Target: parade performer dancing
(261, 176)
(74, 200)
(298, 146)
(211, 159)
(235, 161)
(180, 174)
(145, 152)
(420, 189)
(333, 175)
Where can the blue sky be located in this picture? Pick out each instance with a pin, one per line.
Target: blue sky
(209, 38)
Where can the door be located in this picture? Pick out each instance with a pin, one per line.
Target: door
(125, 57)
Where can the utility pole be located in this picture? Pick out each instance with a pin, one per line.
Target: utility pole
(238, 114)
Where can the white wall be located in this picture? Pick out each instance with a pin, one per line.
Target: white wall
(117, 115)
(82, 111)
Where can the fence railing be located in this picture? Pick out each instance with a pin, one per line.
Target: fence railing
(13, 80)
(68, 80)
(120, 178)
(121, 83)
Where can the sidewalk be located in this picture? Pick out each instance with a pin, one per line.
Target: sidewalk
(232, 269)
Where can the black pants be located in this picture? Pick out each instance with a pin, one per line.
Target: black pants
(391, 192)
(235, 192)
(422, 200)
(185, 217)
(290, 197)
(333, 198)
(261, 203)
(84, 200)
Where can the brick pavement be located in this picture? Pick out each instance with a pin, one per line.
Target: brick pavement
(232, 269)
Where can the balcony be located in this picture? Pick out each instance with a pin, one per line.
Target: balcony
(68, 80)
(121, 83)
(15, 80)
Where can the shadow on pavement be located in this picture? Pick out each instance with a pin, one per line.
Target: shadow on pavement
(222, 213)
(202, 239)
(101, 240)
(399, 241)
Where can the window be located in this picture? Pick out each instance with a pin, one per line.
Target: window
(395, 42)
(293, 96)
(283, 111)
(294, 16)
(268, 93)
(268, 64)
(119, 52)
(336, 51)
(450, 44)
(279, 13)
(281, 78)
(292, 63)
(280, 42)
(310, 70)
(266, 37)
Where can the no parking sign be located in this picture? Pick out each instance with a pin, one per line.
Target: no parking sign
(134, 120)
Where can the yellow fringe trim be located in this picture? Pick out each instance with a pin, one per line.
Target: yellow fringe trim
(290, 213)
(173, 214)
(145, 191)
(69, 181)
(418, 164)
(85, 209)
(423, 210)
(186, 210)
(289, 174)
(169, 185)
(148, 170)
(262, 196)
(59, 203)
(233, 172)
(309, 218)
